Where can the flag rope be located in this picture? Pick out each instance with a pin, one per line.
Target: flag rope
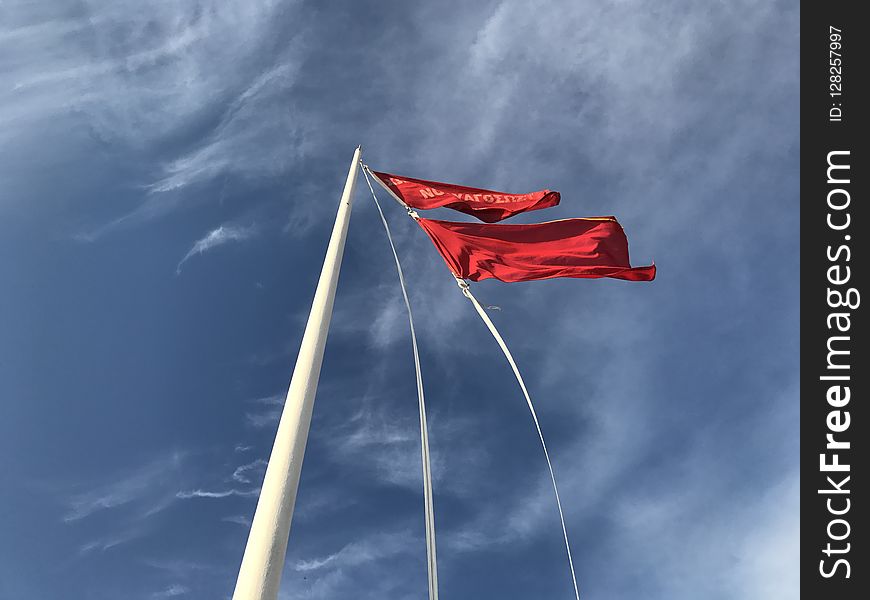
(429, 509)
(466, 291)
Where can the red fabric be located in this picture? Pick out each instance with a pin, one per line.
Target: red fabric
(592, 247)
(486, 205)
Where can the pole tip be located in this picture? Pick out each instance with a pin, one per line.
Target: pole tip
(359, 147)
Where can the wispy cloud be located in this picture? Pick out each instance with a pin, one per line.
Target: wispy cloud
(215, 238)
(390, 446)
(107, 542)
(143, 86)
(263, 419)
(314, 564)
(135, 75)
(179, 568)
(335, 575)
(144, 486)
(198, 493)
(387, 445)
(238, 520)
(241, 474)
(361, 552)
(173, 591)
(242, 130)
(132, 499)
(267, 416)
(273, 400)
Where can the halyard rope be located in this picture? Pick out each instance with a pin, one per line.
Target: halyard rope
(432, 562)
(466, 291)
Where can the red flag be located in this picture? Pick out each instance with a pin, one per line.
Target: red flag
(591, 247)
(486, 205)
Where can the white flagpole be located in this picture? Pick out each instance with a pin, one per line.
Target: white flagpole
(263, 561)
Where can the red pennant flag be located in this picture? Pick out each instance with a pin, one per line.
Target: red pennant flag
(486, 205)
(591, 247)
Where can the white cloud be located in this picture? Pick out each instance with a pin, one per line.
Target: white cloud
(179, 568)
(172, 591)
(107, 542)
(133, 498)
(268, 416)
(335, 574)
(314, 564)
(261, 420)
(140, 78)
(144, 486)
(238, 520)
(361, 552)
(769, 549)
(137, 70)
(738, 550)
(215, 238)
(252, 139)
(241, 474)
(389, 447)
(199, 493)
(273, 400)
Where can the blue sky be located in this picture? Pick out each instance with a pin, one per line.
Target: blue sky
(169, 173)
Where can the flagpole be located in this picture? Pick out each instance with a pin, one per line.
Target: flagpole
(263, 562)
